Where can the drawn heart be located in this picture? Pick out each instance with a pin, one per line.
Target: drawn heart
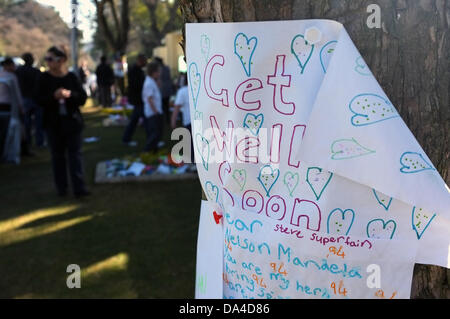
(244, 48)
(195, 80)
(326, 53)
(205, 45)
(291, 181)
(370, 109)
(302, 50)
(217, 217)
(203, 149)
(379, 229)
(212, 192)
(382, 199)
(268, 177)
(240, 176)
(198, 116)
(421, 220)
(340, 221)
(318, 179)
(361, 67)
(254, 122)
(414, 163)
(348, 148)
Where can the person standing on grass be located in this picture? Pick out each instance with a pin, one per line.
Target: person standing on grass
(11, 109)
(182, 104)
(105, 80)
(28, 76)
(152, 107)
(136, 79)
(60, 94)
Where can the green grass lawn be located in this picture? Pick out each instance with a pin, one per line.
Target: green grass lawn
(134, 240)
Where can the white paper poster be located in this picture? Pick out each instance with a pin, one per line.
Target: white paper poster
(208, 283)
(318, 179)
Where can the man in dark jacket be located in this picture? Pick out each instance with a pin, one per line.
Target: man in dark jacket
(136, 78)
(28, 76)
(105, 79)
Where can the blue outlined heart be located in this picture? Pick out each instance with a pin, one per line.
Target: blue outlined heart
(382, 199)
(318, 179)
(195, 81)
(244, 48)
(205, 46)
(413, 162)
(361, 67)
(291, 181)
(212, 192)
(348, 148)
(368, 108)
(379, 229)
(302, 50)
(254, 122)
(421, 220)
(340, 221)
(203, 149)
(326, 53)
(268, 177)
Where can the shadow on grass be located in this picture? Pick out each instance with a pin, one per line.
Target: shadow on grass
(130, 240)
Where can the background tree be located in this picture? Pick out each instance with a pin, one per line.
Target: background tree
(113, 19)
(409, 56)
(29, 26)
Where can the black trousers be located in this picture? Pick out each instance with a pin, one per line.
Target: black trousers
(138, 112)
(65, 147)
(5, 110)
(153, 130)
(104, 95)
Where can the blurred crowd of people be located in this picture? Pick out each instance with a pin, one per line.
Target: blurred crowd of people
(42, 108)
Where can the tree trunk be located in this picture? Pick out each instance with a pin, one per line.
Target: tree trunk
(409, 56)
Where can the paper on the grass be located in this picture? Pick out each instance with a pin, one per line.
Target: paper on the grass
(296, 140)
(208, 283)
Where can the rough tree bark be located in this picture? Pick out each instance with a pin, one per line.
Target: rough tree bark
(409, 56)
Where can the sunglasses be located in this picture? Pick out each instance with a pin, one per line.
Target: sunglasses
(51, 59)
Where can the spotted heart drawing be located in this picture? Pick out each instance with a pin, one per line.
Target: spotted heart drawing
(268, 177)
(240, 177)
(211, 192)
(379, 229)
(291, 181)
(254, 122)
(340, 221)
(361, 67)
(382, 199)
(195, 80)
(370, 109)
(421, 219)
(318, 179)
(205, 46)
(347, 149)
(302, 50)
(203, 149)
(244, 48)
(414, 163)
(326, 53)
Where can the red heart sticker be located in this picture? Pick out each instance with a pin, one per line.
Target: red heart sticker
(217, 217)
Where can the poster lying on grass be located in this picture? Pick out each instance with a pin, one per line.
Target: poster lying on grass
(314, 183)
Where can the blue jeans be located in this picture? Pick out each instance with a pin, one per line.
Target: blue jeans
(31, 108)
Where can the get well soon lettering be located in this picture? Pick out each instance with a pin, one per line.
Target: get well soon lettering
(247, 141)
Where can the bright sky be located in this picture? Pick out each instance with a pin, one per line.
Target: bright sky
(86, 11)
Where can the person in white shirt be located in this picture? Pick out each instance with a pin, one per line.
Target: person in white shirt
(151, 96)
(182, 104)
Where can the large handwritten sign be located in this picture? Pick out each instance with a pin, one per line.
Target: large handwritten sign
(309, 171)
